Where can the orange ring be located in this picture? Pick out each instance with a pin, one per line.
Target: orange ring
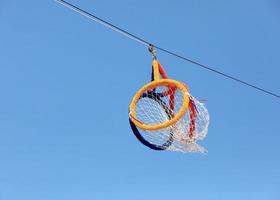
(150, 86)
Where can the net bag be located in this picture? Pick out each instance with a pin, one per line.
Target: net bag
(165, 116)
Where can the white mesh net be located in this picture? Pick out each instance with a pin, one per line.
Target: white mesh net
(154, 108)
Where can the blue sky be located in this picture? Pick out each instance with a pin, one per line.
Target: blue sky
(66, 83)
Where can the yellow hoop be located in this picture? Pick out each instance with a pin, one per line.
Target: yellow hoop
(150, 86)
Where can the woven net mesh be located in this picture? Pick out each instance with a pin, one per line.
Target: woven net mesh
(153, 108)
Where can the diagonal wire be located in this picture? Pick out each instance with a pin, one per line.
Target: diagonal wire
(146, 43)
(103, 22)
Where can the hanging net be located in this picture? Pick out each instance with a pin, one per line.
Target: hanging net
(164, 116)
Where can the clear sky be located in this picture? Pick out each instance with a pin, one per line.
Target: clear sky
(66, 83)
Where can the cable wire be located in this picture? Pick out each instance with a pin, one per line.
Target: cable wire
(146, 43)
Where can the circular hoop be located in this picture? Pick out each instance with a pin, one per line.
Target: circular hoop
(150, 86)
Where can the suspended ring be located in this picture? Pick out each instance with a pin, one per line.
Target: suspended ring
(150, 87)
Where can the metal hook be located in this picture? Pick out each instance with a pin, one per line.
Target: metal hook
(152, 51)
